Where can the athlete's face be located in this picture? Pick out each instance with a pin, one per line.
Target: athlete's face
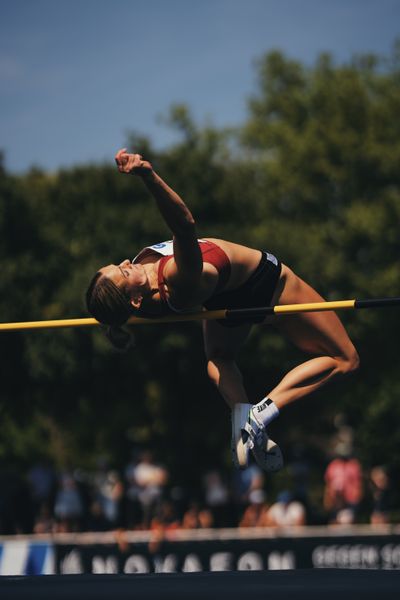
(131, 278)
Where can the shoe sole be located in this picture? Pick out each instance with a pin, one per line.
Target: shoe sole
(240, 451)
(270, 460)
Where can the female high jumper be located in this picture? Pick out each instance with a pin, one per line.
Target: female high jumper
(188, 274)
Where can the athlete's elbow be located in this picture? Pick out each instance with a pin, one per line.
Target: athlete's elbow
(186, 227)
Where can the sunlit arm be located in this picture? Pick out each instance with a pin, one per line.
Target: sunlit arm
(187, 254)
(171, 206)
(188, 261)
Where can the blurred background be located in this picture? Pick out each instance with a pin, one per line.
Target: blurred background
(278, 123)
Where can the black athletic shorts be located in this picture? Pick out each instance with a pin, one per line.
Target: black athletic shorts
(257, 291)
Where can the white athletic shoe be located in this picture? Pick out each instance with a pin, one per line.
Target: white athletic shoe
(240, 449)
(248, 434)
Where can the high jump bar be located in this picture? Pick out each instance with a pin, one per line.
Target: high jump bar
(239, 314)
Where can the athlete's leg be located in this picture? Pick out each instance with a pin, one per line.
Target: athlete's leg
(221, 346)
(321, 335)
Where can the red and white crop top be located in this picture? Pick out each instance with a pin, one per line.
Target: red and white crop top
(211, 253)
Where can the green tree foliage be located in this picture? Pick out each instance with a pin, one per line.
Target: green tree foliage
(312, 175)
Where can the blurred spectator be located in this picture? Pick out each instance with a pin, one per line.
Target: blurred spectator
(165, 519)
(342, 442)
(381, 495)
(206, 518)
(165, 516)
(343, 489)
(249, 486)
(43, 481)
(97, 520)
(249, 495)
(262, 519)
(109, 493)
(251, 515)
(286, 511)
(44, 522)
(146, 483)
(190, 519)
(68, 507)
(216, 492)
(217, 498)
(197, 517)
(133, 511)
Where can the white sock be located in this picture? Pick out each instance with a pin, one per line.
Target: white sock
(265, 411)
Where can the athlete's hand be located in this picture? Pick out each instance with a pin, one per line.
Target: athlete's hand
(132, 163)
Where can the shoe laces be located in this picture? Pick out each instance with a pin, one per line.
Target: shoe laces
(256, 432)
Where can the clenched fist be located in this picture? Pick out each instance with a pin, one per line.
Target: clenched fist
(132, 163)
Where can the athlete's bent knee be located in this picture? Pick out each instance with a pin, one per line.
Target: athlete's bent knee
(350, 363)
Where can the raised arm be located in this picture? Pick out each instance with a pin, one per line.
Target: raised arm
(187, 254)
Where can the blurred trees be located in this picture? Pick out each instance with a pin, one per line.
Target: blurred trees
(312, 175)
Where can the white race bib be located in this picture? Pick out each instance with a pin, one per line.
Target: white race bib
(164, 248)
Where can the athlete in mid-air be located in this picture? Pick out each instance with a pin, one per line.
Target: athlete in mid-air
(188, 274)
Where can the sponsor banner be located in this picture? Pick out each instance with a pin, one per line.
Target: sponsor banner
(369, 552)
(19, 557)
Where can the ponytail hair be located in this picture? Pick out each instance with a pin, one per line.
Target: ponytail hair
(121, 339)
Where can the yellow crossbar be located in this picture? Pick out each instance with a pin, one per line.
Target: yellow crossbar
(89, 322)
(198, 316)
(286, 309)
(240, 314)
